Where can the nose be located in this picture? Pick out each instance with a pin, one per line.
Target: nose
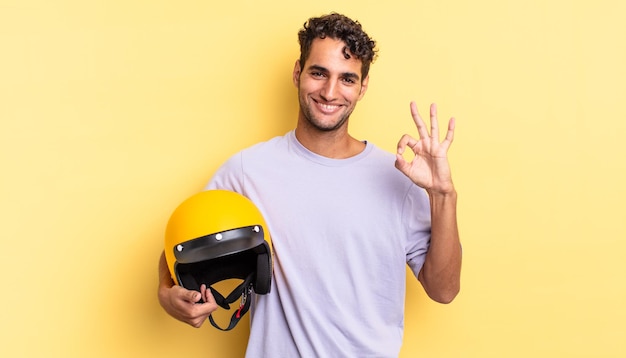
(329, 90)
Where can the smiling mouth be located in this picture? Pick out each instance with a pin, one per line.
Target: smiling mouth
(328, 108)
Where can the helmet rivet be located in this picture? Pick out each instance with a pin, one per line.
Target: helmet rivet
(218, 237)
(179, 248)
(256, 229)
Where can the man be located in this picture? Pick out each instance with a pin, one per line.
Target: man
(344, 222)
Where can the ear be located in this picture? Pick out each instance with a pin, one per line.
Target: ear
(364, 85)
(296, 73)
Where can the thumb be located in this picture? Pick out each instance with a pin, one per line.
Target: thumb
(193, 296)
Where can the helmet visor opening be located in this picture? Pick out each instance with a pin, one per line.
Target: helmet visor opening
(237, 266)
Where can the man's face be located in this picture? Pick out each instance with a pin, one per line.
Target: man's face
(329, 85)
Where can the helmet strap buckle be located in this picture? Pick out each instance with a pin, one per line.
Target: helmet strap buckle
(244, 306)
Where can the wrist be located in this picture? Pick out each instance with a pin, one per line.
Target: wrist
(163, 293)
(443, 192)
(165, 281)
(442, 203)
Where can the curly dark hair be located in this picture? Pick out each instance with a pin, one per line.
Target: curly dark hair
(340, 27)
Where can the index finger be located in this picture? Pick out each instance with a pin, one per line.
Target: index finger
(207, 296)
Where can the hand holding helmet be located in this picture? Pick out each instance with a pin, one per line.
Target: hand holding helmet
(183, 304)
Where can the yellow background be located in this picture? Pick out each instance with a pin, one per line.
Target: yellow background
(112, 112)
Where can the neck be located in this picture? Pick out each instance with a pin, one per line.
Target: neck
(335, 144)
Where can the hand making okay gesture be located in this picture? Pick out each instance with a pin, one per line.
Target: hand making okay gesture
(429, 168)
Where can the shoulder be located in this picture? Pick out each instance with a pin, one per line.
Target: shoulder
(257, 151)
(231, 174)
(385, 162)
(393, 178)
(270, 145)
(379, 154)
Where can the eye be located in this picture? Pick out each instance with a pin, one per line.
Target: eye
(348, 80)
(317, 74)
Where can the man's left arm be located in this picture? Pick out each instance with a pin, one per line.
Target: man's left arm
(441, 273)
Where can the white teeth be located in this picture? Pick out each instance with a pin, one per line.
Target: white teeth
(328, 107)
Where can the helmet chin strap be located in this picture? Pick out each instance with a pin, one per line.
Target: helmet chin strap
(244, 290)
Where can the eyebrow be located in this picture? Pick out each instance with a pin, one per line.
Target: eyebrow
(350, 75)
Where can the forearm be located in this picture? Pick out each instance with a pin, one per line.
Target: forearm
(441, 272)
(165, 278)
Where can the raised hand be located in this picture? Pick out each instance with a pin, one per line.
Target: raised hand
(429, 168)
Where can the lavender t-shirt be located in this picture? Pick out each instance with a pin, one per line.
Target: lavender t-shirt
(342, 232)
